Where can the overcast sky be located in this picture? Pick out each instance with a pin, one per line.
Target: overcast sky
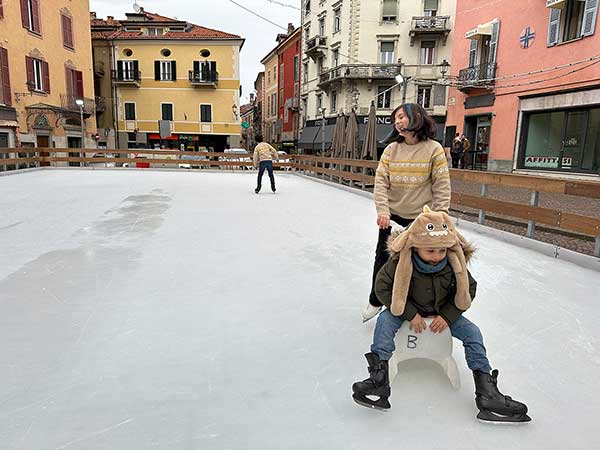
(224, 16)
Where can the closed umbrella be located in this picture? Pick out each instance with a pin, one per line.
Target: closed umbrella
(369, 147)
(337, 144)
(350, 136)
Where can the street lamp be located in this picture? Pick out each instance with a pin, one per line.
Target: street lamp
(322, 111)
(79, 103)
(444, 66)
(403, 81)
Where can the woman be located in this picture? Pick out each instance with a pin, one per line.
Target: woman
(412, 172)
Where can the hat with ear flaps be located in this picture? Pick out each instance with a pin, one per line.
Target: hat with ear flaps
(431, 229)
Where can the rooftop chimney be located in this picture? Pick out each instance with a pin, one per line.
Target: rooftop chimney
(110, 17)
(92, 15)
(291, 28)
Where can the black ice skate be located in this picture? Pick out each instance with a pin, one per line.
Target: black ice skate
(377, 385)
(493, 405)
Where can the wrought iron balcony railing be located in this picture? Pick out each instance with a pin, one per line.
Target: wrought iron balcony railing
(481, 75)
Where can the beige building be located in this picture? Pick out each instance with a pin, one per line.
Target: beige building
(151, 68)
(270, 97)
(352, 53)
(46, 78)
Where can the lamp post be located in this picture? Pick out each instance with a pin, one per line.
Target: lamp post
(79, 103)
(322, 111)
(403, 81)
(444, 66)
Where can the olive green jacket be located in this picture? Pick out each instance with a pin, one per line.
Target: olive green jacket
(428, 294)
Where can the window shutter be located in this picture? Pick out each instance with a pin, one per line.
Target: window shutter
(1, 10)
(196, 69)
(213, 68)
(136, 71)
(491, 72)
(29, 68)
(473, 53)
(78, 83)
(553, 27)
(430, 5)
(156, 70)
(589, 17)
(69, 80)
(4, 74)
(45, 77)
(25, 14)
(67, 31)
(389, 7)
(35, 12)
(173, 71)
(439, 95)
(119, 70)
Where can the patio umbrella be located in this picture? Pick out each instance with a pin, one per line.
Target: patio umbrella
(369, 147)
(337, 144)
(350, 136)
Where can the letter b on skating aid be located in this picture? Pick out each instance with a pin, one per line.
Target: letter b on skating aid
(411, 341)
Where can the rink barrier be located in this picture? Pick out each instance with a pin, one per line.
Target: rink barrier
(353, 173)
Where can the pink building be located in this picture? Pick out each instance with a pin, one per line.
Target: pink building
(527, 85)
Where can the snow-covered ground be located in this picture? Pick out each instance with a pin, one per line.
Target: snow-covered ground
(168, 310)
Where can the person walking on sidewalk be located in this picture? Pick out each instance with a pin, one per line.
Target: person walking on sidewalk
(412, 172)
(264, 154)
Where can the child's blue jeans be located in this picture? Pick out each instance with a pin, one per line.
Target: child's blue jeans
(462, 329)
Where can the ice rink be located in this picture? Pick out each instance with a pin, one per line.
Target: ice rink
(165, 310)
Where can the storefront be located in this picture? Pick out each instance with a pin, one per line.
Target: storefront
(564, 139)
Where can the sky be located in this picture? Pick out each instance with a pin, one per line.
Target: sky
(224, 16)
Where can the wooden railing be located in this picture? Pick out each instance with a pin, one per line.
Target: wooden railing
(360, 174)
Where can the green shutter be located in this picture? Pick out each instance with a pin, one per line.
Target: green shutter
(156, 70)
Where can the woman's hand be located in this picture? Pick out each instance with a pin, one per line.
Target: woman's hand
(418, 324)
(383, 221)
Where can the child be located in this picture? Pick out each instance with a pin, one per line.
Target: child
(264, 155)
(412, 172)
(427, 276)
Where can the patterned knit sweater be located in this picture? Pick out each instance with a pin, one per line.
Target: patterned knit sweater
(411, 176)
(264, 152)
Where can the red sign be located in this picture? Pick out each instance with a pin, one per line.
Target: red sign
(173, 137)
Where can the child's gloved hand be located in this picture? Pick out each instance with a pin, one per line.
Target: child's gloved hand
(438, 324)
(417, 324)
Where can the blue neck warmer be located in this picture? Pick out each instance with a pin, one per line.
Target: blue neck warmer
(424, 267)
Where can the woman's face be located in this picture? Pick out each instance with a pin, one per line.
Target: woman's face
(401, 122)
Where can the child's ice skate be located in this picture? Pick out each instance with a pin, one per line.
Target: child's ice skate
(493, 405)
(370, 311)
(377, 385)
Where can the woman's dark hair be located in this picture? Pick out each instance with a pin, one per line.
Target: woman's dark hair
(258, 138)
(419, 122)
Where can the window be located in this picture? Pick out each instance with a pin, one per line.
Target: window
(296, 68)
(281, 97)
(307, 7)
(74, 80)
(30, 15)
(387, 53)
(322, 26)
(155, 31)
(333, 101)
(307, 34)
(576, 19)
(5, 96)
(268, 76)
(166, 110)
(67, 31)
(281, 77)
(424, 96)
(38, 76)
(427, 52)
(205, 113)
(129, 111)
(337, 19)
(305, 73)
(320, 65)
(389, 11)
(164, 71)
(269, 107)
(127, 70)
(430, 8)
(319, 103)
(205, 71)
(335, 57)
(274, 73)
(384, 98)
(274, 104)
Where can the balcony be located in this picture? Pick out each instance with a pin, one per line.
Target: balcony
(208, 78)
(69, 103)
(100, 104)
(359, 72)
(480, 76)
(316, 46)
(127, 77)
(292, 103)
(99, 69)
(429, 26)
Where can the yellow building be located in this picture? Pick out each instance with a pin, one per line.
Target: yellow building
(151, 68)
(46, 79)
(270, 103)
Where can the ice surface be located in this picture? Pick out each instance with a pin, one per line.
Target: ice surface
(164, 310)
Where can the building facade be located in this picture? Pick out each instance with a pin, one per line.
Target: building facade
(354, 49)
(270, 92)
(527, 87)
(289, 52)
(46, 78)
(154, 71)
(259, 90)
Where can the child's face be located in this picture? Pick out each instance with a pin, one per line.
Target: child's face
(401, 121)
(432, 255)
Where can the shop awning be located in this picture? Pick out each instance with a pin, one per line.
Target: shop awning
(311, 137)
(481, 30)
(307, 137)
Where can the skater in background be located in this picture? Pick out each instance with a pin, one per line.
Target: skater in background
(412, 172)
(427, 276)
(457, 152)
(264, 154)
